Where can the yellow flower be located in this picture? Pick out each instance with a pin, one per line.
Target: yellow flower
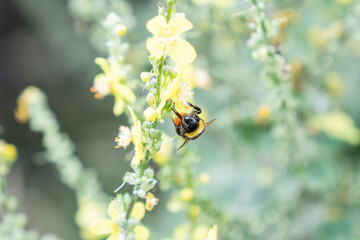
(344, 1)
(120, 30)
(29, 95)
(165, 152)
(108, 227)
(141, 232)
(263, 112)
(177, 91)
(166, 39)
(112, 82)
(182, 232)
(199, 233)
(213, 233)
(187, 194)
(126, 135)
(204, 178)
(151, 201)
(334, 84)
(337, 125)
(220, 4)
(88, 210)
(8, 154)
(194, 211)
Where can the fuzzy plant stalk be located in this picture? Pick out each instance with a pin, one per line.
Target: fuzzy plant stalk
(276, 70)
(59, 150)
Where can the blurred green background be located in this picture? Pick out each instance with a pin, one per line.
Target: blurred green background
(313, 193)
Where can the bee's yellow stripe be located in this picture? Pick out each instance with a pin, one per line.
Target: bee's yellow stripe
(197, 132)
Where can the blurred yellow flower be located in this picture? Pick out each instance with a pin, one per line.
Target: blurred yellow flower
(8, 154)
(194, 211)
(141, 232)
(344, 1)
(204, 178)
(165, 152)
(187, 194)
(108, 227)
(126, 135)
(196, 77)
(199, 233)
(175, 204)
(320, 36)
(88, 210)
(151, 201)
(181, 232)
(213, 233)
(120, 30)
(166, 39)
(334, 84)
(263, 112)
(220, 4)
(29, 95)
(338, 125)
(111, 81)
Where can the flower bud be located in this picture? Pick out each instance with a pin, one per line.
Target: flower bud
(150, 114)
(145, 76)
(153, 82)
(166, 70)
(120, 30)
(153, 132)
(146, 125)
(174, 73)
(149, 172)
(151, 99)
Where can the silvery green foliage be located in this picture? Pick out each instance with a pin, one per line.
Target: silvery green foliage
(89, 15)
(59, 149)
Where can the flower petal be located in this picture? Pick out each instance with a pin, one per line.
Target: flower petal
(138, 211)
(112, 211)
(178, 25)
(134, 118)
(139, 152)
(156, 25)
(154, 47)
(168, 93)
(102, 227)
(141, 232)
(104, 65)
(123, 91)
(119, 106)
(114, 236)
(182, 52)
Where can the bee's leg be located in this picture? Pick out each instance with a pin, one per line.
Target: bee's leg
(176, 112)
(186, 141)
(197, 108)
(207, 124)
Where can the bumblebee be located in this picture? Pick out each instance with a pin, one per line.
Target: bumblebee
(189, 125)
